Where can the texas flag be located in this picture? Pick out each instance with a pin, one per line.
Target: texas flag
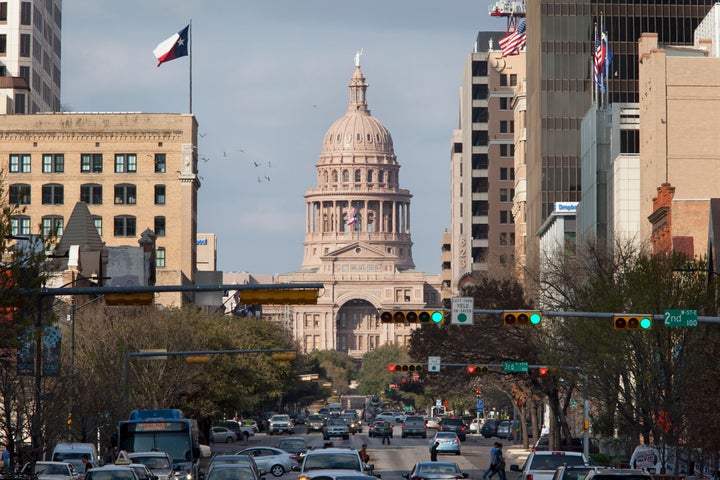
(351, 218)
(174, 47)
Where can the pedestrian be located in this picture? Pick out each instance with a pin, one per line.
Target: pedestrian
(499, 462)
(434, 451)
(493, 458)
(6, 460)
(364, 456)
(86, 461)
(387, 432)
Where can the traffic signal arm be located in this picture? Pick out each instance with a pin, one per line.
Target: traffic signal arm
(521, 318)
(411, 316)
(405, 367)
(631, 321)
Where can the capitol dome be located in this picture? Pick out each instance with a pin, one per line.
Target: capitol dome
(358, 131)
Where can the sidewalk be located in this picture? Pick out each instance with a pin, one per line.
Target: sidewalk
(518, 453)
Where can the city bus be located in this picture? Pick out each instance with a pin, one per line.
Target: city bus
(165, 430)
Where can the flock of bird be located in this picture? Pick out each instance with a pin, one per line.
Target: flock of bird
(260, 178)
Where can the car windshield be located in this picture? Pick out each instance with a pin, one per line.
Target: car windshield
(445, 435)
(316, 417)
(280, 418)
(230, 472)
(336, 421)
(141, 472)
(576, 473)
(51, 469)
(438, 467)
(335, 461)
(101, 474)
(555, 460)
(160, 463)
(292, 444)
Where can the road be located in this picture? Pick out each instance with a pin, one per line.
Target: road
(390, 461)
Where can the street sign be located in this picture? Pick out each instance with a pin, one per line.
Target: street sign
(480, 405)
(438, 403)
(681, 318)
(433, 364)
(515, 366)
(462, 310)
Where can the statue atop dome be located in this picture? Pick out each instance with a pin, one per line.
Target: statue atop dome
(357, 57)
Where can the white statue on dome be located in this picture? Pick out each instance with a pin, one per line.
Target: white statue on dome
(357, 57)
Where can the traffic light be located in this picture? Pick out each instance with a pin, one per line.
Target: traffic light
(412, 316)
(545, 371)
(632, 322)
(477, 369)
(521, 318)
(405, 367)
(69, 419)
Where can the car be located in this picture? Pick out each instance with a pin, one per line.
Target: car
(222, 435)
(449, 442)
(160, 463)
(242, 432)
(272, 460)
(618, 474)
(142, 471)
(457, 425)
(352, 421)
(333, 464)
(489, 428)
(435, 471)
(576, 445)
(230, 471)
(542, 465)
(414, 427)
(315, 423)
(569, 472)
(504, 429)
(243, 460)
(112, 472)
(336, 428)
(294, 445)
(376, 429)
(432, 422)
(281, 424)
(474, 426)
(55, 471)
(388, 416)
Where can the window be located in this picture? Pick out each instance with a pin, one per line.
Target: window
(20, 194)
(357, 176)
(53, 163)
(507, 150)
(91, 193)
(503, 80)
(20, 225)
(124, 226)
(3, 44)
(52, 225)
(3, 12)
(53, 194)
(504, 103)
(20, 163)
(159, 194)
(20, 105)
(125, 163)
(346, 176)
(381, 176)
(507, 174)
(503, 238)
(370, 176)
(97, 221)
(503, 194)
(507, 126)
(503, 216)
(513, 79)
(160, 257)
(160, 226)
(25, 13)
(91, 163)
(24, 45)
(125, 194)
(160, 165)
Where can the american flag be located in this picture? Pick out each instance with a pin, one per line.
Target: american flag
(599, 61)
(512, 43)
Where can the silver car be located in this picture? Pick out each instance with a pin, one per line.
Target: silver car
(273, 460)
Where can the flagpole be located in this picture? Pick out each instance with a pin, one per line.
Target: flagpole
(594, 61)
(190, 55)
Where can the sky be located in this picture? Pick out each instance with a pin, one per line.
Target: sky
(269, 77)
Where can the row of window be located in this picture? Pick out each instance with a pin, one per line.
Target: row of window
(90, 193)
(358, 176)
(53, 225)
(89, 163)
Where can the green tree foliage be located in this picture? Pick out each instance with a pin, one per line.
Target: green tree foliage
(374, 376)
(337, 367)
(638, 381)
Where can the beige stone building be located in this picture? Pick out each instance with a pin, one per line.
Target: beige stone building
(679, 148)
(135, 171)
(357, 240)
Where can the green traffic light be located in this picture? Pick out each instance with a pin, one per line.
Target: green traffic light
(645, 323)
(535, 318)
(437, 317)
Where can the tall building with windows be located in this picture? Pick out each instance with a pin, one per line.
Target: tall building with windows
(30, 33)
(560, 46)
(482, 161)
(134, 171)
(357, 241)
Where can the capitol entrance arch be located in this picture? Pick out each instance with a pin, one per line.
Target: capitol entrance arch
(358, 328)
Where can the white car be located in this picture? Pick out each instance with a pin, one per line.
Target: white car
(55, 471)
(222, 435)
(159, 463)
(391, 417)
(475, 425)
(273, 460)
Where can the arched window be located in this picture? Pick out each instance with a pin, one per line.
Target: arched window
(325, 177)
(381, 176)
(357, 176)
(370, 176)
(346, 176)
(335, 176)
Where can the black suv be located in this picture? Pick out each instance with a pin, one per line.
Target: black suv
(456, 425)
(489, 428)
(414, 426)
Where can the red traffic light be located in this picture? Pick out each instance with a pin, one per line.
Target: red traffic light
(477, 369)
(543, 370)
(391, 367)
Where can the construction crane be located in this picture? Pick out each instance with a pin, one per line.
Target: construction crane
(511, 9)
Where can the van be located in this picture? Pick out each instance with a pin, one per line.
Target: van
(73, 452)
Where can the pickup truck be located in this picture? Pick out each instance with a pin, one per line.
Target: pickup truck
(243, 432)
(542, 465)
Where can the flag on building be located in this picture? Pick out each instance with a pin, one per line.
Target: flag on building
(512, 43)
(599, 61)
(351, 218)
(608, 53)
(174, 47)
